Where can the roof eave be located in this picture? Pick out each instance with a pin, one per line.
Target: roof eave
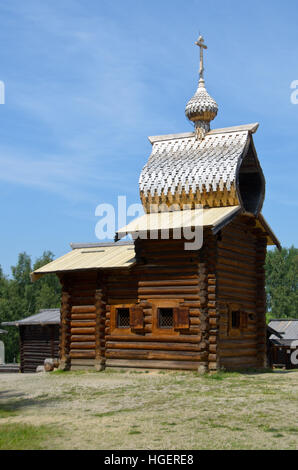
(251, 128)
(269, 231)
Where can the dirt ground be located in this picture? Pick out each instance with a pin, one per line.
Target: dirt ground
(153, 410)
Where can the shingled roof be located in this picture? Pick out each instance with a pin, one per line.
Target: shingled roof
(185, 170)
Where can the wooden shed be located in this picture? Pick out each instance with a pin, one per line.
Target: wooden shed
(283, 343)
(158, 301)
(39, 338)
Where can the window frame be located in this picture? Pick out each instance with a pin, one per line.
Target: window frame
(115, 329)
(158, 318)
(243, 325)
(163, 303)
(117, 317)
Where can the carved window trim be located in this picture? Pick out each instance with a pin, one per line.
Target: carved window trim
(174, 304)
(242, 320)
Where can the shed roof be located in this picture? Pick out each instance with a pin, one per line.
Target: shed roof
(214, 217)
(91, 256)
(287, 328)
(49, 316)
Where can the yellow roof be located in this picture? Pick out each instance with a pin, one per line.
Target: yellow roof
(212, 217)
(122, 254)
(114, 255)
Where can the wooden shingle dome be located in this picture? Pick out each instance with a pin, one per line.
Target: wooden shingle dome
(212, 168)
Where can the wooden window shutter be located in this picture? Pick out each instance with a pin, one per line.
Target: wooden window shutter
(181, 318)
(136, 318)
(243, 319)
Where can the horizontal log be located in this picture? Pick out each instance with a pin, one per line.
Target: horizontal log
(170, 296)
(241, 255)
(83, 316)
(82, 361)
(153, 355)
(236, 280)
(239, 352)
(191, 304)
(121, 300)
(82, 331)
(167, 290)
(84, 337)
(82, 301)
(153, 338)
(154, 346)
(82, 354)
(83, 324)
(229, 298)
(235, 363)
(86, 345)
(224, 261)
(149, 364)
(83, 309)
(169, 282)
(238, 343)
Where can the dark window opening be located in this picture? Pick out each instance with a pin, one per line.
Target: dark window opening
(251, 183)
(236, 319)
(165, 318)
(123, 318)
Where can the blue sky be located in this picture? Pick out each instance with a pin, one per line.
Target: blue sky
(88, 81)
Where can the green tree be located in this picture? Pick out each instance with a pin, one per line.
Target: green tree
(281, 283)
(47, 288)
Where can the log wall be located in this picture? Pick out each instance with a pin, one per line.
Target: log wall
(37, 343)
(82, 321)
(166, 276)
(241, 252)
(200, 285)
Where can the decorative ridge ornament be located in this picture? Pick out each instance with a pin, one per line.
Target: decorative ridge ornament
(201, 108)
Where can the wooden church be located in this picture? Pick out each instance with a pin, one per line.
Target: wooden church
(152, 303)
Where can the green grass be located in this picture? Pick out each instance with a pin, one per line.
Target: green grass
(5, 413)
(24, 436)
(119, 409)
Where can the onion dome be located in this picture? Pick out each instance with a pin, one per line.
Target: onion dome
(201, 108)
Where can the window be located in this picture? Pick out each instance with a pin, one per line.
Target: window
(236, 319)
(165, 318)
(123, 318)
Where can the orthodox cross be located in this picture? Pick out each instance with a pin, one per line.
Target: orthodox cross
(202, 46)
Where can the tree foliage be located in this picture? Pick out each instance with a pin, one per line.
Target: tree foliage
(20, 298)
(281, 283)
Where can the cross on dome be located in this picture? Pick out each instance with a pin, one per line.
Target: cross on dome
(201, 108)
(202, 46)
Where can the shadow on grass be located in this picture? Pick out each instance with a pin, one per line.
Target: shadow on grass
(14, 403)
